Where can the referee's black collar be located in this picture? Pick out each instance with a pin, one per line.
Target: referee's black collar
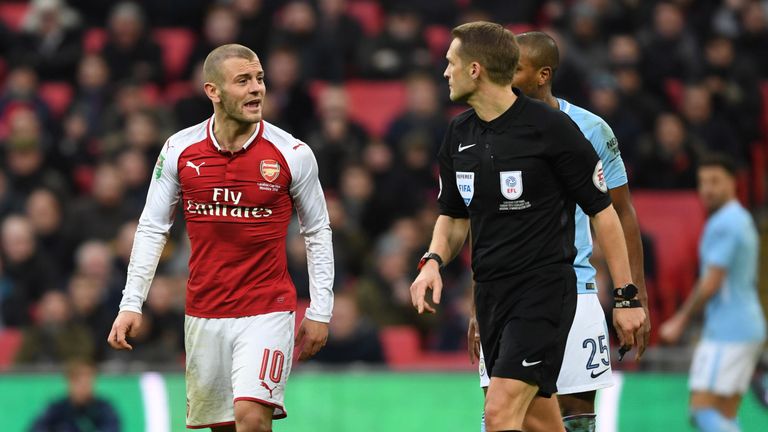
(505, 120)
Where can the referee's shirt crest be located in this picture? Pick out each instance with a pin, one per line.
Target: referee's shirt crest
(511, 183)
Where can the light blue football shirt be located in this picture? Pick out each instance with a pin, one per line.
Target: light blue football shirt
(600, 135)
(730, 242)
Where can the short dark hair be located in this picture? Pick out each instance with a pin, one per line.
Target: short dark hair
(542, 49)
(212, 65)
(719, 160)
(491, 45)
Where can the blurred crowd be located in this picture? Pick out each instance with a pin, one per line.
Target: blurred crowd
(672, 78)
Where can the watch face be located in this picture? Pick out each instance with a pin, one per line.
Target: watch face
(630, 291)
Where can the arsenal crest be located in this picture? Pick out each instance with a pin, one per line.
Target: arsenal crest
(270, 170)
(511, 183)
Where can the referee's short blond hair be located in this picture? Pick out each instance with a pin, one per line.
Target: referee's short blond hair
(491, 45)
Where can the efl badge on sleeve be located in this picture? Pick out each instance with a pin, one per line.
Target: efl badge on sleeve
(270, 170)
(598, 177)
(511, 183)
(465, 181)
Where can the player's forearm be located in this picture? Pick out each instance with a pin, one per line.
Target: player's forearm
(631, 228)
(611, 239)
(448, 237)
(705, 288)
(321, 272)
(148, 245)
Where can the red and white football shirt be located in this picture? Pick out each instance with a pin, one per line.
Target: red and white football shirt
(237, 207)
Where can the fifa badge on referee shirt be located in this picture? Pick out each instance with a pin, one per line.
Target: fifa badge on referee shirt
(511, 183)
(465, 181)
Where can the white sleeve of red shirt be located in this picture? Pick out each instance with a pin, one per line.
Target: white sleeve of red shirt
(152, 233)
(314, 224)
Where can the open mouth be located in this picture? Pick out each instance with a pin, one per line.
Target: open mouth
(254, 104)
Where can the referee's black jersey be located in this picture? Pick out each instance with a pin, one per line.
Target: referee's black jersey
(518, 179)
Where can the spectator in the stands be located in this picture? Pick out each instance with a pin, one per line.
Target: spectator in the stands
(708, 126)
(130, 52)
(570, 80)
(45, 211)
(288, 103)
(669, 50)
(668, 158)
(383, 293)
(255, 23)
(80, 407)
(123, 243)
(142, 132)
(398, 50)
(50, 40)
(27, 269)
(88, 308)
(733, 83)
(336, 139)
(753, 42)
(93, 93)
(422, 113)
(221, 27)
(21, 91)
(135, 173)
(195, 106)
(25, 157)
(625, 62)
(55, 337)
(586, 44)
(605, 101)
(297, 27)
(131, 98)
(337, 30)
(100, 215)
(352, 338)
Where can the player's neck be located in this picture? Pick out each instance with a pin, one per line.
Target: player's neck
(230, 133)
(550, 100)
(491, 101)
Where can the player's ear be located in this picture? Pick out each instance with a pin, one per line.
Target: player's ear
(212, 91)
(474, 70)
(545, 75)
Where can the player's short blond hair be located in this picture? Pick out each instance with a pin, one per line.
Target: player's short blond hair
(212, 65)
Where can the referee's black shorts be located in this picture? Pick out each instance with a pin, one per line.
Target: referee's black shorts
(524, 323)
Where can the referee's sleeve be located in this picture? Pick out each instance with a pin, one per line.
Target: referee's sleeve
(577, 165)
(451, 202)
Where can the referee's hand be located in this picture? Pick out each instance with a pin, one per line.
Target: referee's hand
(428, 278)
(627, 322)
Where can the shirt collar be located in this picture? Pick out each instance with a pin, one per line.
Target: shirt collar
(248, 142)
(506, 119)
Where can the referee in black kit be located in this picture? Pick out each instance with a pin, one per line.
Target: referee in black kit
(514, 168)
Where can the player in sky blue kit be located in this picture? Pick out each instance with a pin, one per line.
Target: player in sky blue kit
(734, 326)
(586, 366)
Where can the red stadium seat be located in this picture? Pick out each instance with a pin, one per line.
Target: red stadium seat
(12, 13)
(764, 117)
(10, 341)
(368, 14)
(674, 89)
(151, 94)
(177, 44)
(674, 220)
(94, 40)
(758, 173)
(373, 104)
(438, 38)
(401, 346)
(57, 95)
(518, 28)
(176, 91)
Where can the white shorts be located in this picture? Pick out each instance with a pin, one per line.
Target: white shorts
(231, 359)
(587, 362)
(723, 368)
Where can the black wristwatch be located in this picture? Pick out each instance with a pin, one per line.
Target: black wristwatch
(626, 297)
(428, 256)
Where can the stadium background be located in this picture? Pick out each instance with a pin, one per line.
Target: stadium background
(90, 89)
